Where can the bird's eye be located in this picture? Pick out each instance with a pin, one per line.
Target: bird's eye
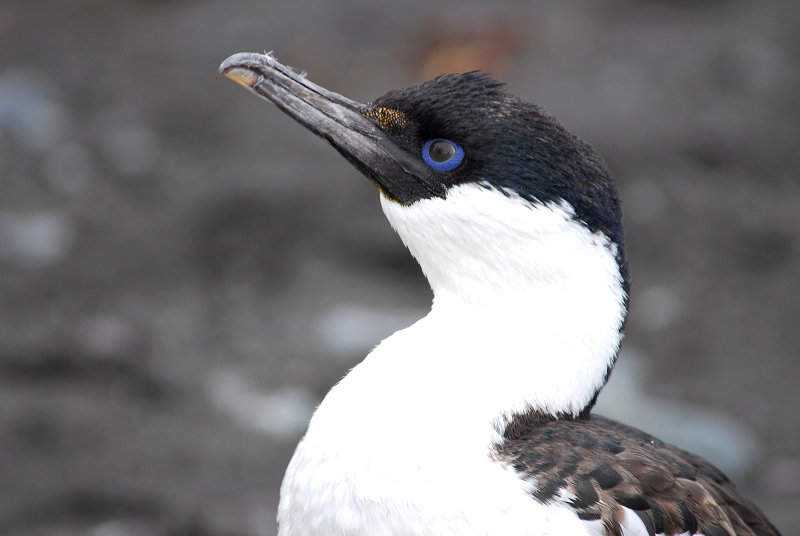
(442, 155)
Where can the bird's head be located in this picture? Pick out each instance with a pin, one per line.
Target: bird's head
(495, 199)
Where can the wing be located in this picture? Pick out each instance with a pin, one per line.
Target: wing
(605, 471)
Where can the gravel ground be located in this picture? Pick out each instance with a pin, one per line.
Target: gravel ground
(182, 267)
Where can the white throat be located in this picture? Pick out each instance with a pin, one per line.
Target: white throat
(534, 290)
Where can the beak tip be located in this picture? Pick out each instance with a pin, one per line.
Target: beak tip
(242, 67)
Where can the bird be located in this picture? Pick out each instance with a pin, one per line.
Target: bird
(477, 419)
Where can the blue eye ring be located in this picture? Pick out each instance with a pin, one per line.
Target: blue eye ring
(442, 155)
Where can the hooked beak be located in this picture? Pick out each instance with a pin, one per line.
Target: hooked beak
(398, 174)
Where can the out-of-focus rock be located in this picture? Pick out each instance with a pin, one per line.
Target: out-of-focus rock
(656, 307)
(30, 110)
(624, 88)
(348, 329)
(781, 476)
(41, 238)
(644, 201)
(759, 65)
(68, 167)
(133, 149)
(118, 527)
(282, 414)
(107, 336)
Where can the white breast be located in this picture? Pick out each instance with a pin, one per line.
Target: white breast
(393, 451)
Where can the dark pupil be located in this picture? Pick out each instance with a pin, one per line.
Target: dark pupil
(442, 151)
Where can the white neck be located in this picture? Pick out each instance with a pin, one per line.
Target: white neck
(527, 311)
(535, 294)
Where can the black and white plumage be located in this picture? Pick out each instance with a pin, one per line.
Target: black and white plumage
(476, 419)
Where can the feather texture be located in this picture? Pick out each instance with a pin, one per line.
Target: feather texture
(605, 468)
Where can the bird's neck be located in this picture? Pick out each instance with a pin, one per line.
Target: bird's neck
(527, 314)
(526, 298)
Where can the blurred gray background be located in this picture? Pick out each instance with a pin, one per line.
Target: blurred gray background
(184, 271)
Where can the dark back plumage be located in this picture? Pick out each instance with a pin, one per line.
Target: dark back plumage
(607, 465)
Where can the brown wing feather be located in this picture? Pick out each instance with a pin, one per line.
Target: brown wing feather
(603, 465)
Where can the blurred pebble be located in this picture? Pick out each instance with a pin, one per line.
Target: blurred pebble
(119, 528)
(645, 201)
(68, 167)
(623, 87)
(723, 126)
(714, 435)
(36, 239)
(762, 64)
(568, 30)
(349, 329)
(133, 149)
(781, 476)
(107, 336)
(29, 109)
(282, 414)
(180, 170)
(657, 307)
